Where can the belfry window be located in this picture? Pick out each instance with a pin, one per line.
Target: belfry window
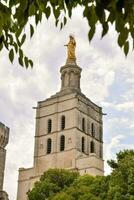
(62, 122)
(49, 126)
(83, 124)
(62, 143)
(92, 147)
(92, 129)
(101, 154)
(83, 144)
(49, 145)
(100, 135)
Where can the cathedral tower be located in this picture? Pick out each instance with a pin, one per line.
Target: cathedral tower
(69, 130)
(4, 136)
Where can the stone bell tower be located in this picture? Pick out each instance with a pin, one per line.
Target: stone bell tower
(4, 136)
(69, 130)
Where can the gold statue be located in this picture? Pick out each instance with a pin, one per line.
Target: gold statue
(71, 48)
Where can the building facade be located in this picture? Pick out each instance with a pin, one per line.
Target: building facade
(69, 132)
(4, 137)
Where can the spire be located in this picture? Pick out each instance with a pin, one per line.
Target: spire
(70, 72)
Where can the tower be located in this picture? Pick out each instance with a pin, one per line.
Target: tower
(4, 136)
(68, 130)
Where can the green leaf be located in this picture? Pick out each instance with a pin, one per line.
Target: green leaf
(61, 26)
(119, 22)
(31, 30)
(36, 19)
(31, 63)
(105, 29)
(18, 41)
(91, 33)
(6, 45)
(132, 32)
(24, 4)
(15, 47)
(11, 55)
(1, 39)
(56, 13)
(18, 32)
(1, 46)
(65, 21)
(100, 12)
(40, 16)
(126, 48)
(119, 5)
(20, 61)
(23, 39)
(20, 53)
(122, 37)
(11, 38)
(111, 17)
(47, 12)
(32, 9)
(91, 16)
(26, 62)
(56, 23)
(69, 7)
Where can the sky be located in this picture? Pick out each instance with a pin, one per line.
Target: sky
(107, 79)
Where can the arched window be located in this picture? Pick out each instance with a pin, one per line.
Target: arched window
(49, 145)
(62, 122)
(100, 134)
(92, 129)
(92, 147)
(83, 124)
(101, 153)
(49, 126)
(62, 143)
(83, 144)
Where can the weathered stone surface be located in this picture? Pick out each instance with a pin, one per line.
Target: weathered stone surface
(75, 106)
(4, 136)
(3, 195)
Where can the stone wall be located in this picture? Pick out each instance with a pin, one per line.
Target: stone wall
(82, 133)
(4, 136)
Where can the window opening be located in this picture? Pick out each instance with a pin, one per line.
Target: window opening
(49, 145)
(63, 122)
(49, 126)
(62, 143)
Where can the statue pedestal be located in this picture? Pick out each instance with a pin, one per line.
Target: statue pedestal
(71, 62)
(70, 76)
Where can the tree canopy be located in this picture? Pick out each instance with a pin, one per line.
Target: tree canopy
(121, 184)
(62, 184)
(16, 14)
(52, 182)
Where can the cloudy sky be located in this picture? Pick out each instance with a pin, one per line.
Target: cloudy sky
(107, 79)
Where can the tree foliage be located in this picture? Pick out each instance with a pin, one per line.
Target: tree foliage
(16, 14)
(66, 185)
(52, 182)
(121, 184)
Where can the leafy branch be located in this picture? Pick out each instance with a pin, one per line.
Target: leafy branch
(16, 14)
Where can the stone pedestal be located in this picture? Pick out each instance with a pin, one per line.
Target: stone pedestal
(70, 76)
